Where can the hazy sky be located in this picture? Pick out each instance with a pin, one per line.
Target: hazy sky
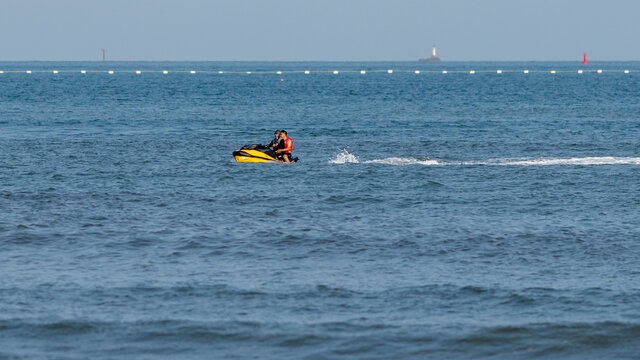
(319, 30)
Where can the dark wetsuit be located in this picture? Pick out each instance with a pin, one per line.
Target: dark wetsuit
(276, 144)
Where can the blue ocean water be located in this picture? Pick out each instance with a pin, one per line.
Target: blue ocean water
(431, 215)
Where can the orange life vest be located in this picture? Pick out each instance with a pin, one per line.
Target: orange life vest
(288, 144)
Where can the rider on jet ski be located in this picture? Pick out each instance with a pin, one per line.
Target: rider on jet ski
(287, 149)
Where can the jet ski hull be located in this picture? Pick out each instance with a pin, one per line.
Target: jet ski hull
(253, 156)
(257, 154)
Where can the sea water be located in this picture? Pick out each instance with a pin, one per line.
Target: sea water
(431, 215)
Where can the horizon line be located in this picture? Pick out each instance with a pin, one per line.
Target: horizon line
(311, 61)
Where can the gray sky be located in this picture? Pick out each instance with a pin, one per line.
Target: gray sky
(319, 30)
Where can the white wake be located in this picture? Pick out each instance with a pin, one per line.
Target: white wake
(344, 157)
(601, 160)
(403, 161)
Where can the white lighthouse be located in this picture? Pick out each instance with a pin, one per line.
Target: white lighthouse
(433, 57)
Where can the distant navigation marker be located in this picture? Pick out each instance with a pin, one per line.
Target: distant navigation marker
(584, 59)
(104, 54)
(433, 57)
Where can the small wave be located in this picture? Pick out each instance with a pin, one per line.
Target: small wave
(344, 157)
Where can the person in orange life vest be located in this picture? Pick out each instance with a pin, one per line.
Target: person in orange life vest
(288, 146)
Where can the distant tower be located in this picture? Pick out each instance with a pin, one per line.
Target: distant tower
(584, 60)
(433, 57)
(104, 54)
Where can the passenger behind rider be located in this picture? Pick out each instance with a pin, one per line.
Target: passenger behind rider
(288, 147)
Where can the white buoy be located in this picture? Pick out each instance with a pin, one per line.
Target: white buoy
(192, 72)
(553, 71)
(444, 71)
(279, 72)
(389, 71)
(599, 71)
(220, 72)
(55, 71)
(248, 72)
(579, 71)
(417, 71)
(110, 71)
(499, 72)
(165, 72)
(307, 72)
(138, 72)
(626, 71)
(28, 71)
(1, 72)
(526, 71)
(362, 72)
(472, 72)
(335, 72)
(83, 71)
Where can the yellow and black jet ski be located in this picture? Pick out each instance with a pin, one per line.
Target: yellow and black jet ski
(258, 154)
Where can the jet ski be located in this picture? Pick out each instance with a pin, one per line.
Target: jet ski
(257, 153)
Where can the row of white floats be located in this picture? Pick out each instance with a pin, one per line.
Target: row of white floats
(335, 72)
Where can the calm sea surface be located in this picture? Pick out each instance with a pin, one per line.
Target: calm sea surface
(431, 215)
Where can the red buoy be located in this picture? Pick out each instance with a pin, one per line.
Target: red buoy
(584, 61)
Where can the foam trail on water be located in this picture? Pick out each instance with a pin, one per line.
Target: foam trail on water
(404, 161)
(344, 157)
(603, 160)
